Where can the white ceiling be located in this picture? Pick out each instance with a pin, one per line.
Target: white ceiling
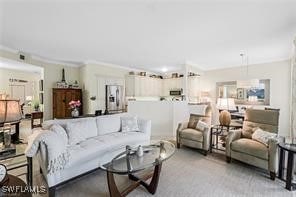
(151, 34)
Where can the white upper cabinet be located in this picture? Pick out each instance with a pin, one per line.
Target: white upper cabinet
(147, 86)
(193, 88)
(171, 84)
(143, 86)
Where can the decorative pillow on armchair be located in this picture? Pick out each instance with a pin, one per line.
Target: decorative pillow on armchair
(201, 126)
(129, 124)
(262, 136)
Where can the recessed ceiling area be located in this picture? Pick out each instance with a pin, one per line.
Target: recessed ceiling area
(153, 34)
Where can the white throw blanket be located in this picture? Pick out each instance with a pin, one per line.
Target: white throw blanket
(58, 155)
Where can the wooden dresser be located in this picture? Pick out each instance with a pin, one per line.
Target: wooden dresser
(61, 99)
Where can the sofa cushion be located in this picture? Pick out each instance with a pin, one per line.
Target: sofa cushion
(63, 122)
(129, 124)
(96, 146)
(60, 131)
(192, 134)
(81, 130)
(109, 123)
(250, 147)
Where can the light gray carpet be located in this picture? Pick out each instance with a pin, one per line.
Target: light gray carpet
(186, 174)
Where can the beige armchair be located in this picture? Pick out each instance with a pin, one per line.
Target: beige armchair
(240, 146)
(189, 135)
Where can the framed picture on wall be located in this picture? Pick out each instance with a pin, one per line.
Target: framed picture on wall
(240, 93)
(41, 85)
(41, 98)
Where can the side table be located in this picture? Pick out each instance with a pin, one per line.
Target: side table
(291, 149)
(221, 131)
(14, 183)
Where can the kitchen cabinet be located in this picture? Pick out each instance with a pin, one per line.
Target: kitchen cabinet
(171, 84)
(193, 88)
(142, 86)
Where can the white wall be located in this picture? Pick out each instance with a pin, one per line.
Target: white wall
(52, 74)
(164, 115)
(277, 72)
(89, 75)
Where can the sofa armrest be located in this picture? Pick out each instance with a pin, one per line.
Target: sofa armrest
(145, 126)
(232, 136)
(42, 156)
(273, 153)
(180, 127)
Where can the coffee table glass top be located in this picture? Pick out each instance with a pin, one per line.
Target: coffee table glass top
(127, 161)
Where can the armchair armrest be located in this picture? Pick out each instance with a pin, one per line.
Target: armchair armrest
(273, 153)
(232, 136)
(180, 127)
(206, 138)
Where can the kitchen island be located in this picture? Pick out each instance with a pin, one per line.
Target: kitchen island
(164, 115)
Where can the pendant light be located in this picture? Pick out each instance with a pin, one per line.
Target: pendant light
(247, 83)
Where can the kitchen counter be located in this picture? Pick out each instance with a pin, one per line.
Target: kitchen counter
(164, 115)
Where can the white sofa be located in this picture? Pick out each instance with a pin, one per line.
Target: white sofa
(85, 156)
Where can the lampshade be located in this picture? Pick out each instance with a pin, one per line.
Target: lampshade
(226, 104)
(10, 111)
(29, 98)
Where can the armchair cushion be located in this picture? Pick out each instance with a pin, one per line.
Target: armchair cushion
(193, 120)
(250, 147)
(262, 136)
(192, 134)
(201, 126)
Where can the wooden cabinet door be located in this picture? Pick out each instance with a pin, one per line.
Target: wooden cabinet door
(59, 104)
(61, 99)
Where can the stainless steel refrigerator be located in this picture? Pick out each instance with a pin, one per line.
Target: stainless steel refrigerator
(114, 99)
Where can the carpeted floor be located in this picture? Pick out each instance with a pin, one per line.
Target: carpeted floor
(186, 174)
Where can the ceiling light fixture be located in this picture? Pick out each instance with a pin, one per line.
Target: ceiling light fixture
(164, 69)
(247, 83)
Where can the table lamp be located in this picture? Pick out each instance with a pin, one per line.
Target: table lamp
(10, 112)
(225, 104)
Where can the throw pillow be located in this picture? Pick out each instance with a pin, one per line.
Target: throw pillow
(129, 124)
(81, 130)
(263, 136)
(201, 125)
(108, 124)
(60, 131)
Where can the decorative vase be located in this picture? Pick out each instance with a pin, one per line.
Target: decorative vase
(75, 113)
(140, 151)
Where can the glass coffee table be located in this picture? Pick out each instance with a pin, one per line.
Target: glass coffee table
(127, 162)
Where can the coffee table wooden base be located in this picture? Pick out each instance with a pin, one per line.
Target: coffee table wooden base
(151, 187)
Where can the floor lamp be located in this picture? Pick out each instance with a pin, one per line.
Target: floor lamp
(10, 112)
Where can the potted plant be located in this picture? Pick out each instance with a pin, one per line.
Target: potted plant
(36, 105)
(74, 105)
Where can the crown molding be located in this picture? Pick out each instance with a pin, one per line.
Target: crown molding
(5, 48)
(38, 58)
(42, 59)
(111, 65)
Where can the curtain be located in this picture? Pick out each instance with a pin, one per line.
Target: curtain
(293, 91)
